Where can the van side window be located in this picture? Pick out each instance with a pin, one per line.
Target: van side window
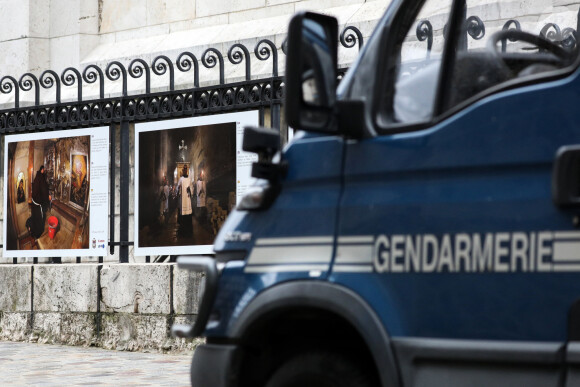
(503, 42)
(495, 45)
(418, 65)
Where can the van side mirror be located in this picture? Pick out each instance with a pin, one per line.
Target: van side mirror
(311, 72)
(265, 143)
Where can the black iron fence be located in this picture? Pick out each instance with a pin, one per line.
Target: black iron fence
(29, 115)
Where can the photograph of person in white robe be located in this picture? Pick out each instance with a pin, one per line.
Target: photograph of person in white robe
(189, 174)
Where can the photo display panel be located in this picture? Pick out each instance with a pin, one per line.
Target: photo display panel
(189, 175)
(56, 193)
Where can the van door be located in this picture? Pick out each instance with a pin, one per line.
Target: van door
(448, 225)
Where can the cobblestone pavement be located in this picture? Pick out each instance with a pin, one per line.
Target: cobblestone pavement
(26, 364)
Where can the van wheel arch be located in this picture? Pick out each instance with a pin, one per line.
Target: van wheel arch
(300, 316)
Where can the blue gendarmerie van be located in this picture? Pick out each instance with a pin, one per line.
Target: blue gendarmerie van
(423, 227)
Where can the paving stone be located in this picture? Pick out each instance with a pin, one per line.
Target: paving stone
(29, 364)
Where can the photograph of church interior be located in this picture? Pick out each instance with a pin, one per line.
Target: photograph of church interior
(48, 194)
(187, 184)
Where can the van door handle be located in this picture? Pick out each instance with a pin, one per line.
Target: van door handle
(566, 177)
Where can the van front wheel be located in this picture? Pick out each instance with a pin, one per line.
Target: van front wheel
(321, 369)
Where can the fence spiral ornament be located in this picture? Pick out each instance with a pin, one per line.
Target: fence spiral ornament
(74, 114)
(9, 84)
(475, 27)
(263, 50)
(569, 38)
(114, 71)
(51, 116)
(62, 115)
(349, 36)
(241, 95)
(139, 107)
(41, 117)
(165, 105)
(48, 79)
(90, 75)
(69, 77)
(153, 106)
(228, 98)
(189, 103)
(177, 103)
(552, 32)
(95, 111)
(161, 65)
(201, 100)
(11, 121)
(31, 118)
(185, 61)
(85, 113)
(267, 92)
(27, 81)
(280, 87)
(254, 94)
(215, 99)
(424, 31)
(238, 53)
(137, 68)
(117, 109)
(210, 58)
(508, 25)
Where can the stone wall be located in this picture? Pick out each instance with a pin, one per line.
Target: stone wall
(120, 306)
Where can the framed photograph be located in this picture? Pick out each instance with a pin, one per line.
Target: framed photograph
(189, 175)
(56, 196)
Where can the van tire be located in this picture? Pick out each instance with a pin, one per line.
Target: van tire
(321, 369)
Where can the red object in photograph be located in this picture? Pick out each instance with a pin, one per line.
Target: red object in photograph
(52, 225)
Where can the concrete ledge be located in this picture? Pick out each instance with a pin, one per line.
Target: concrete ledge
(117, 306)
